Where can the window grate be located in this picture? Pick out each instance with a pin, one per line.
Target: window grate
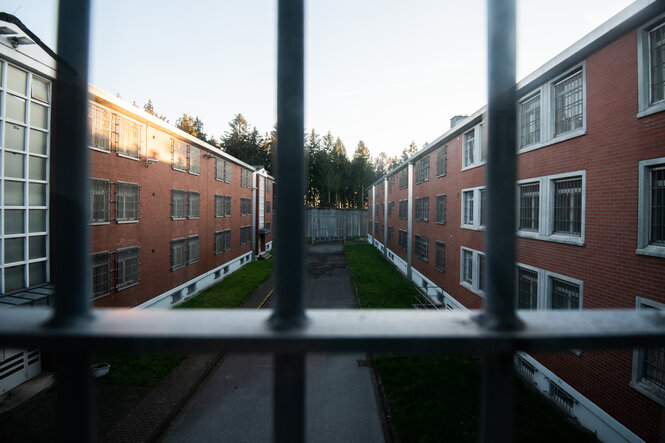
(564, 400)
(568, 206)
(654, 366)
(527, 283)
(657, 231)
(126, 201)
(564, 295)
(101, 267)
(529, 207)
(99, 201)
(657, 61)
(530, 121)
(569, 104)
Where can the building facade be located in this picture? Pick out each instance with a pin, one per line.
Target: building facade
(590, 215)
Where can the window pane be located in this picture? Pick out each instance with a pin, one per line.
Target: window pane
(37, 273)
(565, 295)
(101, 283)
(569, 104)
(37, 220)
(14, 137)
(568, 207)
(37, 194)
(657, 231)
(99, 201)
(14, 165)
(127, 202)
(40, 89)
(37, 247)
(14, 193)
(530, 121)
(654, 366)
(14, 278)
(14, 249)
(529, 207)
(129, 140)
(38, 116)
(99, 122)
(15, 108)
(37, 142)
(17, 79)
(14, 221)
(527, 289)
(657, 62)
(37, 168)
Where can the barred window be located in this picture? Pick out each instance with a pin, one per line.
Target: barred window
(99, 125)
(403, 209)
(227, 206)
(441, 256)
(391, 232)
(267, 207)
(192, 249)
(126, 267)
(129, 137)
(468, 148)
(467, 266)
(391, 182)
(467, 201)
(564, 400)
(228, 171)
(101, 275)
(654, 367)
(564, 295)
(649, 364)
(219, 242)
(657, 63)
(177, 204)
(441, 161)
(245, 178)
(219, 206)
(483, 207)
(391, 206)
(568, 206)
(193, 207)
(246, 206)
(529, 115)
(179, 156)
(177, 253)
(194, 160)
(441, 209)
(126, 201)
(99, 201)
(529, 202)
(227, 240)
(219, 169)
(482, 272)
(569, 104)
(422, 170)
(657, 207)
(527, 289)
(418, 208)
(403, 178)
(245, 234)
(402, 239)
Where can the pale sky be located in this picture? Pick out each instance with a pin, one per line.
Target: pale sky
(383, 71)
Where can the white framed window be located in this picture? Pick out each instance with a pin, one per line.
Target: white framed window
(228, 172)
(422, 209)
(192, 249)
(648, 374)
(527, 288)
(193, 204)
(126, 267)
(441, 256)
(553, 112)
(651, 207)
(422, 170)
(473, 270)
(474, 208)
(101, 274)
(177, 204)
(564, 294)
(100, 201)
(126, 202)
(651, 67)
(219, 169)
(552, 207)
(441, 161)
(179, 153)
(441, 209)
(194, 160)
(421, 248)
(472, 148)
(542, 289)
(99, 125)
(129, 137)
(177, 253)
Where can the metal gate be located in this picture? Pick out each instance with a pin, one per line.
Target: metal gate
(328, 227)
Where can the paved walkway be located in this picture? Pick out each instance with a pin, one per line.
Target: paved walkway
(236, 402)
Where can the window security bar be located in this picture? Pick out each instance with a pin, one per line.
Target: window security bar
(290, 331)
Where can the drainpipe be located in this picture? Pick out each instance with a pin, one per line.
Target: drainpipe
(373, 203)
(409, 217)
(254, 224)
(385, 216)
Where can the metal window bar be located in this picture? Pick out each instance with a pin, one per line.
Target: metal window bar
(530, 121)
(193, 205)
(179, 155)
(654, 366)
(564, 295)
(101, 267)
(100, 127)
(569, 104)
(440, 256)
(441, 209)
(468, 207)
(100, 195)
(129, 137)
(529, 207)
(657, 63)
(126, 201)
(568, 206)
(496, 333)
(527, 287)
(468, 147)
(177, 204)
(657, 219)
(192, 249)
(194, 160)
(564, 400)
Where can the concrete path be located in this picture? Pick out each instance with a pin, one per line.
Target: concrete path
(235, 405)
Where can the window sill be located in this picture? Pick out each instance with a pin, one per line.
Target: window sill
(178, 218)
(99, 223)
(651, 250)
(556, 238)
(192, 262)
(98, 297)
(129, 157)
(654, 393)
(177, 267)
(193, 218)
(466, 285)
(194, 173)
(558, 139)
(105, 151)
(122, 288)
(125, 222)
(472, 227)
(441, 176)
(475, 165)
(178, 169)
(652, 109)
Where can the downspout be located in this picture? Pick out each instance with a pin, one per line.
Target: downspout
(373, 215)
(254, 204)
(385, 216)
(409, 229)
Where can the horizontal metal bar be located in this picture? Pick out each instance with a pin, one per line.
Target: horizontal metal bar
(333, 331)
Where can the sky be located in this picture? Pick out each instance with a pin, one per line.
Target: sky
(385, 72)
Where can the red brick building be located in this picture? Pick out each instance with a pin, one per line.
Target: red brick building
(591, 214)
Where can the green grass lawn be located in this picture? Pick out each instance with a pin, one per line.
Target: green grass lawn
(435, 398)
(148, 369)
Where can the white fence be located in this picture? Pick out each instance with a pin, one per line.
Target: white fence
(335, 224)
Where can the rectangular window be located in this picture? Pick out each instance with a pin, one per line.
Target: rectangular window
(483, 207)
(401, 239)
(482, 272)
(467, 266)
(267, 207)
(527, 289)
(467, 210)
(226, 243)
(657, 207)
(424, 215)
(219, 206)
(126, 202)
(101, 275)
(193, 205)
(403, 209)
(219, 169)
(569, 104)
(245, 234)
(129, 137)
(441, 209)
(99, 124)
(564, 400)
(126, 267)
(403, 178)
(564, 295)
(194, 160)
(441, 161)
(99, 201)
(529, 204)
(179, 155)
(177, 253)
(422, 170)
(441, 256)
(648, 375)
(228, 171)
(192, 249)
(177, 204)
(391, 232)
(227, 206)
(219, 242)
(568, 206)
(416, 246)
(468, 148)
(418, 208)
(529, 116)
(657, 64)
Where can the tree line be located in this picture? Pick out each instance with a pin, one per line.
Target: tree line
(333, 180)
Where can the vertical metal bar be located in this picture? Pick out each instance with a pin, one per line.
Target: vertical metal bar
(409, 222)
(255, 200)
(385, 217)
(498, 400)
(70, 209)
(289, 313)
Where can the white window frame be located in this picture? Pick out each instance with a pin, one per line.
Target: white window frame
(95, 127)
(475, 224)
(644, 105)
(108, 203)
(178, 149)
(564, 278)
(118, 269)
(647, 388)
(545, 285)
(174, 215)
(547, 111)
(478, 154)
(474, 286)
(194, 160)
(125, 219)
(644, 208)
(120, 137)
(546, 221)
(179, 242)
(521, 102)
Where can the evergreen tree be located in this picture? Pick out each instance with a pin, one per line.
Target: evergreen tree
(191, 125)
